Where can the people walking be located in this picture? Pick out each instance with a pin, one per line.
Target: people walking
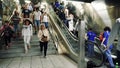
(16, 19)
(43, 36)
(104, 43)
(37, 19)
(26, 12)
(45, 19)
(7, 32)
(27, 33)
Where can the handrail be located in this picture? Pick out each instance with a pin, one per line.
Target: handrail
(57, 21)
(72, 36)
(100, 51)
(52, 36)
(72, 53)
(92, 42)
(8, 7)
(98, 46)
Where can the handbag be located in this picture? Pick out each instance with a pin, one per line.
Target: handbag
(44, 38)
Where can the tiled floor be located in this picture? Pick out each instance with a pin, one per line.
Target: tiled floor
(52, 61)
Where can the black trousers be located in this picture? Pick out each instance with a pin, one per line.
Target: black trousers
(7, 40)
(43, 45)
(118, 57)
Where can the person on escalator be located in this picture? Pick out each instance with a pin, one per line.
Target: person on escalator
(91, 37)
(71, 23)
(107, 51)
(43, 35)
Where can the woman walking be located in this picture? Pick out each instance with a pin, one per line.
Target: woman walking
(7, 33)
(45, 19)
(27, 33)
(43, 36)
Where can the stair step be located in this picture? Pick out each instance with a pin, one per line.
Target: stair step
(17, 49)
(22, 54)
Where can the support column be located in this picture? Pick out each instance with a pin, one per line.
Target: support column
(1, 13)
(81, 56)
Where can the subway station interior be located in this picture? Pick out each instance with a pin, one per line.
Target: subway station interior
(81, 34)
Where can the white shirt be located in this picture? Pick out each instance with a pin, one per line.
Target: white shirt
(71, 28)
(30, 7)
(37, 15)
(66, 12)
(27, 30)
(118, 20)
(45, 18)
(44, 32)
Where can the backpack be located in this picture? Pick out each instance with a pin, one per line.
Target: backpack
(101, 36)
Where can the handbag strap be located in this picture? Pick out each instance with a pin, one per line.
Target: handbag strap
(42, 32)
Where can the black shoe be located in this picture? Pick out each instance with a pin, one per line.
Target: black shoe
(44, 56)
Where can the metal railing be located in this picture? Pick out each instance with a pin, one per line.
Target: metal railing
(53, 37)
(64, 29)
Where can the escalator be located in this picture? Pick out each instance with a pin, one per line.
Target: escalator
(70, 42)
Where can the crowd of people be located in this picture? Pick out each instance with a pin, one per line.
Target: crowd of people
(34, 20)
(33, 16)
(68, 18)
(91, 35)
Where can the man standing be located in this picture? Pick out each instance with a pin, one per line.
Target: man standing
(104, 43)
(91, 37)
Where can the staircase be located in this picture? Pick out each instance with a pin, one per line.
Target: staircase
(17, 49)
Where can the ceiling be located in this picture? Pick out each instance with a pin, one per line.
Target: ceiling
(88, 1)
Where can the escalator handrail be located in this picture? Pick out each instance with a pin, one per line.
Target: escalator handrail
(98, 46)
(91, 42)
(61, 22)
(53, 37)
(57, 24)
(75, 38)
(59, 29)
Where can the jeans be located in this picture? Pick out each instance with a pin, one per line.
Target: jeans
(15, 28)
(108, 56)
(90, 50)
(66, 23)
(37, 23)
(46, 24)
